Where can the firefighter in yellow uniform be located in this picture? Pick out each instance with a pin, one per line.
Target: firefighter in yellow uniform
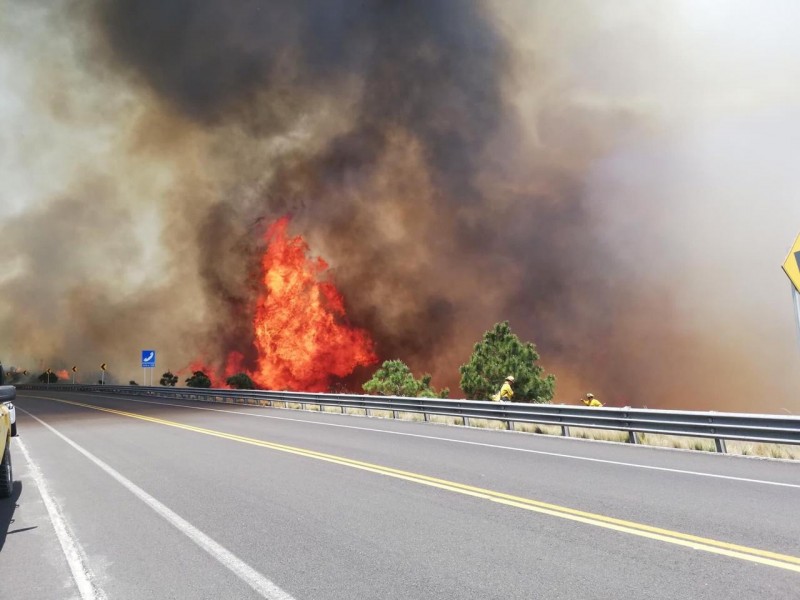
(506, 393)
(590, 400)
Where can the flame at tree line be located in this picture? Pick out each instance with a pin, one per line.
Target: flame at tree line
(300, 327)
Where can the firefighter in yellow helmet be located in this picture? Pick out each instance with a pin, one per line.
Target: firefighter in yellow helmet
(590, 400)
(506, 393)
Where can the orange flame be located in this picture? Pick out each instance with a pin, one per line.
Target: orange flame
(62, 374)
(301, 332)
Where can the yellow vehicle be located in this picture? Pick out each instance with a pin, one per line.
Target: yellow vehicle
(6, 474)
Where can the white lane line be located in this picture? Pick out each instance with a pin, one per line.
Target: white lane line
(73, 552)
(262, 585)
(465, 442)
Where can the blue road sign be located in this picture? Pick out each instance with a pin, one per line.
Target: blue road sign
(148, 358)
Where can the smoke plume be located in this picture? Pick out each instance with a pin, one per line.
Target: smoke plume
(612, 179)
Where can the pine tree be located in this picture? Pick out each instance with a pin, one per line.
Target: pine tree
(394, 378)
(499, 354)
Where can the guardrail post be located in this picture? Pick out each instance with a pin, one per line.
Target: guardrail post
(466, 420)
(565, 431)
(633, 437)
(720, 445)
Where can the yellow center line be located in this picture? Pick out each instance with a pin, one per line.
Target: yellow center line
(765, 557)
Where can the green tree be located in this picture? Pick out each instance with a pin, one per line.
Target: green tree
(168, 379)
(498, 355)
(240, 381)
(132, 382)
(198, 380)
(394, 378)
(48, 377)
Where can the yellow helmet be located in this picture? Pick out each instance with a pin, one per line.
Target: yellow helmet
(510, 378)
(589, 396)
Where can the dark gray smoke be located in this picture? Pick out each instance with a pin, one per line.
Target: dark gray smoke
(457, 163)
(429, 71)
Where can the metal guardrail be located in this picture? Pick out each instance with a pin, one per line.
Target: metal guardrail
(719, 426)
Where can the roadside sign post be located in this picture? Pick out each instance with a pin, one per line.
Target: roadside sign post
(796, 298)
(148, 362)
(103, 374)
(791, 266)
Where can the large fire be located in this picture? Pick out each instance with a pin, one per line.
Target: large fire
(301, 331)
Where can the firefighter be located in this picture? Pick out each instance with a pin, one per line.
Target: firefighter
(590, 400)
(506, 393)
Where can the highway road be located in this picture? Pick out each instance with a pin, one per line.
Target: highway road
(136, 499)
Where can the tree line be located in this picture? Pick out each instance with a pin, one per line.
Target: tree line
(500, 353)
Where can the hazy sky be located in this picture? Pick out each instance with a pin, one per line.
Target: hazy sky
(617, 179)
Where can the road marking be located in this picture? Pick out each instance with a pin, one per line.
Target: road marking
(262, 585)
(73, 552)
(765, 557)
(466, 442)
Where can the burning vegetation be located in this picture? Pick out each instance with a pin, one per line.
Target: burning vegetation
(300, 330)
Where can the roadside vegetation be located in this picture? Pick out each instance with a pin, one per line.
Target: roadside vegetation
(240, 381)
(501, 353)
(394, 378)
(48, 377)
(198, 380)
(168, 379)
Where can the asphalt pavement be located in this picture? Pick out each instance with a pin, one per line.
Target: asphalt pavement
(129, 498)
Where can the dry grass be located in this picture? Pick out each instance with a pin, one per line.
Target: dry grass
(488, 423)
(784, 451)
(382, 414)
(443, 420)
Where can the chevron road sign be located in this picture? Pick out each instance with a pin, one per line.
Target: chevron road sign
(792, 264)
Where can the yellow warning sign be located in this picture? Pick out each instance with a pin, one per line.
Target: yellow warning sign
(792, 264)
